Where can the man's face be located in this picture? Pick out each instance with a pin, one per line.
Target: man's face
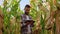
(27, 9)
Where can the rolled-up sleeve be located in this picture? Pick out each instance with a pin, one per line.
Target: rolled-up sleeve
(22, 21)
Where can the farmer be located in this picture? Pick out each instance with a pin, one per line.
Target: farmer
(26, 21)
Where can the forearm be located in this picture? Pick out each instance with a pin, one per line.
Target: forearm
(23, 25)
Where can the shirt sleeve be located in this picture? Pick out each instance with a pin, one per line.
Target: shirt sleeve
(22, 21)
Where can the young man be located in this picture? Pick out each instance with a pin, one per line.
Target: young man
(26, 21)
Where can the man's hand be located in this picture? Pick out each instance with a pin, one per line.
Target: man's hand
(27, 23)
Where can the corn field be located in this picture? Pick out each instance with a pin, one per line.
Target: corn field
(45, 13)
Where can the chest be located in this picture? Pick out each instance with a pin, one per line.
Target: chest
(26, 17)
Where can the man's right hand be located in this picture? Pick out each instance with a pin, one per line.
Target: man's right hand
(27, 23)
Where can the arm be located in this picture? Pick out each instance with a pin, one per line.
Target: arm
(23, 21)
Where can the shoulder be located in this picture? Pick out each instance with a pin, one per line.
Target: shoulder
(22, 15)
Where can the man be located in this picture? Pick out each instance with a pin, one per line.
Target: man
(26, 21)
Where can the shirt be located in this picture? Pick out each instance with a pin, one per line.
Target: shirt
(25, 29)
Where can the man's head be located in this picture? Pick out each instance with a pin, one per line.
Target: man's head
(27, 9)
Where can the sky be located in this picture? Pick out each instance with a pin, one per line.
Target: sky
(1, 1)
(22, 3)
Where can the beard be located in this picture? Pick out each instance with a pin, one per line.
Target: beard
(27, 13)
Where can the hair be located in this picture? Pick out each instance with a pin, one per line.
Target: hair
(27, 6)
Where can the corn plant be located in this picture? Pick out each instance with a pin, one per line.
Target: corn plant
(11, 28)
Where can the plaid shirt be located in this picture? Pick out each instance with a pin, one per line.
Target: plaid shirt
(26, 29)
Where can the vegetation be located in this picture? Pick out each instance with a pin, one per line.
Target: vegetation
(41, 12)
